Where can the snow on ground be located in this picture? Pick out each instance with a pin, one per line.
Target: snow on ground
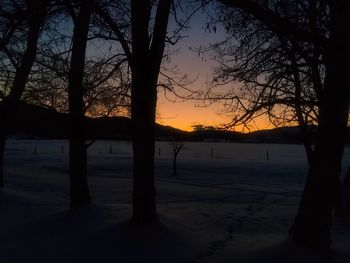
(234, 207)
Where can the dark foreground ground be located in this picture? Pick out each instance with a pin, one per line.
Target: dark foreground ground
(235, 207)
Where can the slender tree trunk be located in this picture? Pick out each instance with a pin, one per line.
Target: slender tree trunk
(37, 13)
(291, 52)
(176, 151)
(79, 191)
(313, 221)
(175, 164)
(299, 111)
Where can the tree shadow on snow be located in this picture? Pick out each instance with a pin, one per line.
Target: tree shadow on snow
(93, 233)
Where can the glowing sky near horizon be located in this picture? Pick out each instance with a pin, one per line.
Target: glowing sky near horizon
(184, 114)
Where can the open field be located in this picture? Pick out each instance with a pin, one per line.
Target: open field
(230, 202)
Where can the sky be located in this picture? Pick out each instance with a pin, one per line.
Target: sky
(185, 114)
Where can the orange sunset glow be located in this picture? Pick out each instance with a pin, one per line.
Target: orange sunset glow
(183, 115)
(198, 68)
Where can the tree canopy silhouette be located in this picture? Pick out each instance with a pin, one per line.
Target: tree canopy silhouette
(313, 221)
(24, 21)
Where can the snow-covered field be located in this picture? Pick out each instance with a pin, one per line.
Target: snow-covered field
(234, 206)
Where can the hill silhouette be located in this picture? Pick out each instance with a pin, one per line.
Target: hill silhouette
(37, 122)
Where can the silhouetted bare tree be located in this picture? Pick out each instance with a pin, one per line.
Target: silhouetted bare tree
(106, 80)
(313, 221)
(145, 56)
(145, 67)
(32, 14)
(77, 149)
(176, 146)
(98, 86)
(268, 74)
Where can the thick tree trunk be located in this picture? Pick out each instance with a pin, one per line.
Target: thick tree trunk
(313, 221)
(144, 209)
(145, 66)
(143, 118)
(79, 190)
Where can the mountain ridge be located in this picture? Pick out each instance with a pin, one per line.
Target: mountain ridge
(37, 122)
